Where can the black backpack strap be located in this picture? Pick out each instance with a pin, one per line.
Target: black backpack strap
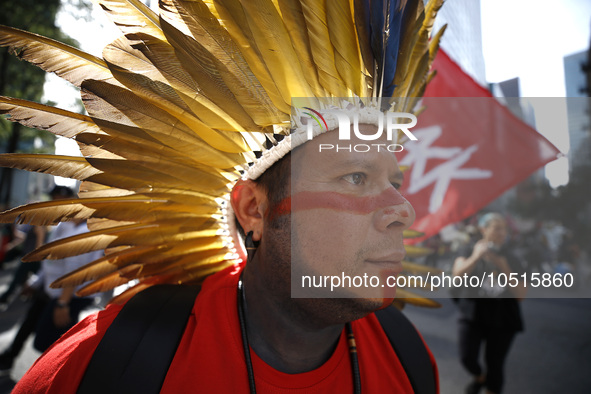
(138, 347)
(410, 349)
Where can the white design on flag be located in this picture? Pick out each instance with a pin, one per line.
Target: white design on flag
(418, 153)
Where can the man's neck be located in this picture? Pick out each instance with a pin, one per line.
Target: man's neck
(281, 339)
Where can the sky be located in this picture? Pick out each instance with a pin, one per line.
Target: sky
(521, 38)
(529, 39)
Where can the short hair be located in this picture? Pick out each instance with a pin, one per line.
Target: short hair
(485, 219)
(275, 183)
(275, 180)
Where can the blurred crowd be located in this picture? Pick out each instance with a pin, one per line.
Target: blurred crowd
(50, 311)
(541, 246)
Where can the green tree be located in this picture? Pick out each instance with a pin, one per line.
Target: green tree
(570, 205)
(23, 80)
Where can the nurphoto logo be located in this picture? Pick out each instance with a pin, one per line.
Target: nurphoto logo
(386, 122)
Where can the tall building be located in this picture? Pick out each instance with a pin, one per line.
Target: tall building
(462, 40)
(578, 109)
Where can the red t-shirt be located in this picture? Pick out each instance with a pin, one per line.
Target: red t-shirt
(210, 356)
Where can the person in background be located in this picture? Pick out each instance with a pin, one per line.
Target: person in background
(488, 314)
(28, 238)
(52, 311)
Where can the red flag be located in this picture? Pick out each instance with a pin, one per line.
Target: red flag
(470, 150)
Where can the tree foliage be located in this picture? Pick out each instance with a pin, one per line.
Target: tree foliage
(569, 205)
(19, 78)
(23, 80)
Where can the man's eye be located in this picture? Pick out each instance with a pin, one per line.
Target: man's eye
(356, 178)
(396, 185)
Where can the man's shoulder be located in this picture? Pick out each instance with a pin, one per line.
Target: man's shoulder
(220, 284)
(390, 337)
(61, 367)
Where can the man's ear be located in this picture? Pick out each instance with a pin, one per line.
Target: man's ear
(249, 203)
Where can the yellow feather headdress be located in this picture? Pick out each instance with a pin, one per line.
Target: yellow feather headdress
(177, 107)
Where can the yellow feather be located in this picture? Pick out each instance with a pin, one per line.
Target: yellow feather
(146, 153)
(158, 123)
(204, 251)
(202, 67)
(127, 109)
(322, 49)
(93, 151)
(194, 274)
(46, 213)
(154, 175)
(415, 299)
(134, 234)
(431, 10)
(200, 256)
(419, 76)
(163, 56)
(179, 275)
(132, 16)
(418, 65)
(96, 224)
(232, 18)
(58, 121)
(144, 142)
(137, 73)
(68, 62)
(416, 251)
(107, 283)
(295, 23)
(66, 166)
(434, 43)
(94, 190)
(164, 270)
(273, 43)
(146, 208)
(134, 70)
(409, 233)
(106, 265)
(347, 59)
(233, 68)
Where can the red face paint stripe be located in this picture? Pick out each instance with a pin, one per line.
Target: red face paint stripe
(283, 208)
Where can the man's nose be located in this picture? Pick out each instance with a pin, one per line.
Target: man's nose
(398, 214)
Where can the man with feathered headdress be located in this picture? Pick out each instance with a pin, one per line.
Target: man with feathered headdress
(178, 107)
